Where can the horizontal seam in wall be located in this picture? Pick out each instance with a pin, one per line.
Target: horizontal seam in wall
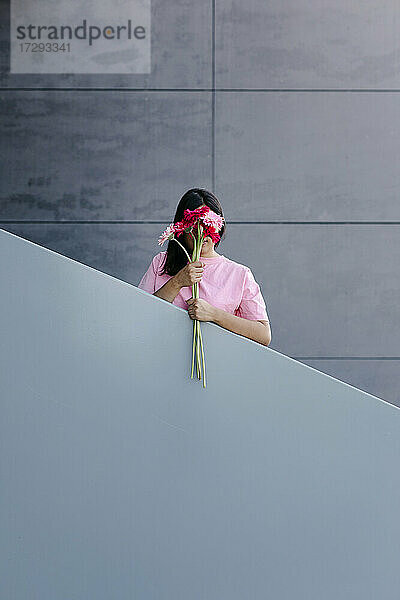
(211, 89)
(147, 222)
(345, 357)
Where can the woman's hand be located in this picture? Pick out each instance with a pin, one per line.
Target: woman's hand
(189, 274)
(200, 309)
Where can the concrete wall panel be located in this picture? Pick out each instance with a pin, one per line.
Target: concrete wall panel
(181, 46)
(302, 44)
(113, 155)
(123, 478)
(308, 156)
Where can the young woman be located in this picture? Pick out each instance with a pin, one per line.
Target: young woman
(229, 294)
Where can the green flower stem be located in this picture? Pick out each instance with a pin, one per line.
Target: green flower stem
(199, 338)
(202, 355)
(198, 249)
(198, 350)
(194, 335)
(201, 237)
(195, 322)
(183, 247)
(194, 245)
(197, 347)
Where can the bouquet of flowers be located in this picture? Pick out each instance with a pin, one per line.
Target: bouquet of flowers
(207, 224)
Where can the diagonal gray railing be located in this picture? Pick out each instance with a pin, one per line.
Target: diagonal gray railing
(121, 478)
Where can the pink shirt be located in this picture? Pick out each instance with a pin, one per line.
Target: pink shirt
(225, 284)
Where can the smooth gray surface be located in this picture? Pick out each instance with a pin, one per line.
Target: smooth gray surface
(180, 52)
(378, 377)
(123, 478)
(93, 157)
(309, 156)
(303, 44)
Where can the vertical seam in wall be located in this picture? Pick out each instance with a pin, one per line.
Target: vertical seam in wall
(213, 96)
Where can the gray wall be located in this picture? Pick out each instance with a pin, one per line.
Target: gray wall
(288, 111)
(123, 478)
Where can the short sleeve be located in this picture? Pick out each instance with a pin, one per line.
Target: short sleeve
(252, 305)
(148, 281)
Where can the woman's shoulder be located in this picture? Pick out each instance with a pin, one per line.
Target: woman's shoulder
(160, 255)
(239, 267)
(158, 261)
(157, 258)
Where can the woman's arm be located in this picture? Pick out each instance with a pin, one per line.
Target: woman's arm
(187, 276)
(259, 331)
(169, 290)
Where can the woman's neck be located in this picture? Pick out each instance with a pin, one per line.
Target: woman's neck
(209, 254)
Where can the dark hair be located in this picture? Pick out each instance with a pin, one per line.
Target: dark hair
(176, 258)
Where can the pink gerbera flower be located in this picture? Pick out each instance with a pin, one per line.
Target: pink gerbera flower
(213, 220)
(180, 227)
(190, 217)
(167, 234)
(209, 232)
